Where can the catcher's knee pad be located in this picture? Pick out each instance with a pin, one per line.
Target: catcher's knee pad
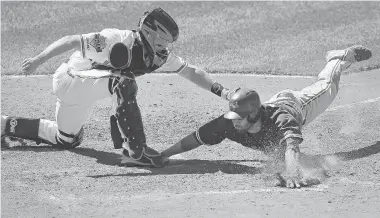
(68, 141)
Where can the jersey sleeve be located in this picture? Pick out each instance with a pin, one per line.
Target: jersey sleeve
(213, 132)
(173, 64)
(287, 125)
(95, 46)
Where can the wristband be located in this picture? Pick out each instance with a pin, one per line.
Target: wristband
(217, 89)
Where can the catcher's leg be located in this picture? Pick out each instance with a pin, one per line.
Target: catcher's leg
(317, 97)
(66, 132)
(40, 130)
(127, 128)
(75, 98)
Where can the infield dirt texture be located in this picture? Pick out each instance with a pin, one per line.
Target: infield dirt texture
(228, 180)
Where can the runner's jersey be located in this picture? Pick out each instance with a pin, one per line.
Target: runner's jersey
(277, 125)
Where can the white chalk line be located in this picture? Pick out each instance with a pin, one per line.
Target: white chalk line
(161, 196)
(23, 76)
(168, 74)
(318, 188)
(372, 100)
(346, 180)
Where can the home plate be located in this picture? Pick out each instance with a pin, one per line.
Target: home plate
(176, 159)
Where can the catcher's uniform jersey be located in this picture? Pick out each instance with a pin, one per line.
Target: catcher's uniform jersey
(82, 80)
(95, 50)
(277, 125)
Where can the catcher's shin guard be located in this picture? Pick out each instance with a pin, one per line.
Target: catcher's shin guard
(23, 128)
(128, 119)
(40, 131)
(115, 133)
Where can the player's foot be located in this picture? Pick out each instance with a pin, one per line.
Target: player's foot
(154, 156)
(150, 158)
(351, 54)
(3, 121)
(127, 161)
(4, 144)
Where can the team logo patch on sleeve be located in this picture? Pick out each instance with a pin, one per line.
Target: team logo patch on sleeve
(98, 42)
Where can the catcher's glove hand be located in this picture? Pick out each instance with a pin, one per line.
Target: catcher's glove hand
(29, 65)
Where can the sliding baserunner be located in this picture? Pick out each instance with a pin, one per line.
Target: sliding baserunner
(277, 123)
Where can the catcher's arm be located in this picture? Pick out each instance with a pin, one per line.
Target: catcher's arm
(198, 76)
(201, 78)
(58, 47)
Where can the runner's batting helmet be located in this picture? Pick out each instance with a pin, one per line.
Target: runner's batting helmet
(244, 103)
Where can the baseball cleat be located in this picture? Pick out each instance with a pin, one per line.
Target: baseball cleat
(352, 54)
(151, 159)
(3, 121)
(127, 161)
(4, 143)
(154, 156)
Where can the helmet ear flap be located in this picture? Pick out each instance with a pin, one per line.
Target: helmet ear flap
(251, 118)
(120, 56)
(254, 118)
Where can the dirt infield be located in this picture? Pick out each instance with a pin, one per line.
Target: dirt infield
(227, 180)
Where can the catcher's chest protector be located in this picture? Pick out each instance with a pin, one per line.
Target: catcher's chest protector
(141, 62)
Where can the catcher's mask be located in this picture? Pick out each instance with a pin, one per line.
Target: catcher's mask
(244, 103)
(158, 31)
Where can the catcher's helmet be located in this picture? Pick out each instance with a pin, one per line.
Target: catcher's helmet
(243, 103)
(158, 29)
(158, 23)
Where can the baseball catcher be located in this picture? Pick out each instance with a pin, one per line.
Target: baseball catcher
(105, 64)
(275, 124)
